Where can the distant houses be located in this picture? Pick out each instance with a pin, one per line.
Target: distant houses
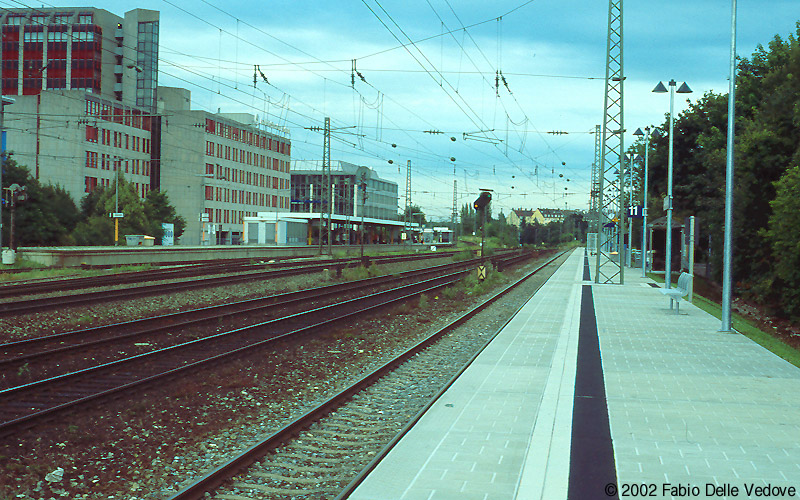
(543, 216)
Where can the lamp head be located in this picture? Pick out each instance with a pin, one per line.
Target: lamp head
(638, 132)
(684, 89)
(660, 88)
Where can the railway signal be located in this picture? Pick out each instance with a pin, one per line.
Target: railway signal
(480, 205)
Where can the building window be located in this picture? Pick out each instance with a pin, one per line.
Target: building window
(62, 18)
(209, 148)
(91, 184)
(91, 133)
(91, 159)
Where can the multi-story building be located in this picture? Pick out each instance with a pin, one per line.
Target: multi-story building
(81, 49)
(307, 180)
(87, 105)
(378, 210)
(78, 140)
(220, 167)
(84, 81)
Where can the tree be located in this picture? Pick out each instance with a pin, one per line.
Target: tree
(504, 234)
(141, 217)
(414, 214)
(468, 219)
(158, 211)
(784, 237)
(46, 218)
(767, 148)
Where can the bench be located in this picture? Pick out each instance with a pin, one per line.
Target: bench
(680, 289)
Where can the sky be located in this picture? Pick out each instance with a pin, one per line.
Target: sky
(435, 102)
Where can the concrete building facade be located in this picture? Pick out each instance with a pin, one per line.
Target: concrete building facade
(83, 48)
(87, 105)
(307, 179)
(220, 167)
(78, 140)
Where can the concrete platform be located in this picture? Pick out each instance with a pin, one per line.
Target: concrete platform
(675, 409)
(129, 255)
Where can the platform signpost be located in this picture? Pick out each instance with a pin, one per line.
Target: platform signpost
(203, 218)
(116, 216)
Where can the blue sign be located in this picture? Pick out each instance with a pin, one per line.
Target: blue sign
(636, 212)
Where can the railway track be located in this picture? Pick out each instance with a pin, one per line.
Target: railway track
(28, 404)
(326, 452)
(20, 306)
(47, 355)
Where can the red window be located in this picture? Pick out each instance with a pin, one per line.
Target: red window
(210, 126)
(91, 184)
(209, 168)
(209, 148)
(209, 193)
(210, 212)
(91, 132)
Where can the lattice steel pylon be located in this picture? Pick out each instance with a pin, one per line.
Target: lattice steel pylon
(454, 215)
(594, 193)
(408, 217)
(326, 205)
(610, 214)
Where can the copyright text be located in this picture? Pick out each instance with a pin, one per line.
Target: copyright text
(687, 490)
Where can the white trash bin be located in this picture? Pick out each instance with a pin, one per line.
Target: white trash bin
(9, 257)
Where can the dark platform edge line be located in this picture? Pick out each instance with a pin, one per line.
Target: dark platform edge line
(592, 464)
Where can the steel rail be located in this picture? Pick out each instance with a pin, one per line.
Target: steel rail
(215, 478)
(51, 285)
(73, 340)
(43, 303)
(199, 348)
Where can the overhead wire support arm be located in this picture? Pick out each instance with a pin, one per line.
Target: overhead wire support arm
(481, 138)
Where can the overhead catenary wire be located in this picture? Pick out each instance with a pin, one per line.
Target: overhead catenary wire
(372, 148)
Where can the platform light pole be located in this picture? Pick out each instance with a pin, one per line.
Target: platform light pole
(727, 258)
(629, 253)
(646, 134)
(3, 101)
(660, 89)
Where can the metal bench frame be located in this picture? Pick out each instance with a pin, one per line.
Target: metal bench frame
(680, 289)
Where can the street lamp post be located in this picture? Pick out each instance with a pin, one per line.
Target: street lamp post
(727, 259)
(684, 89)
(646, 134)
(3, 101)
(630, 207)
